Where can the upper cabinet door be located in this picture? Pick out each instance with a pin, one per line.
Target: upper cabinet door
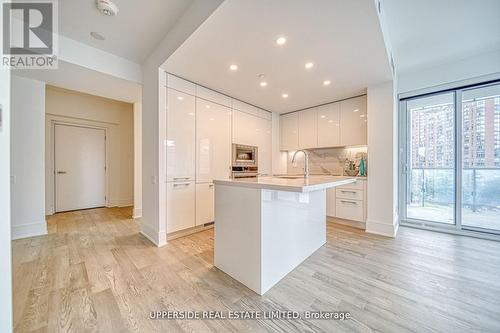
(180, 136)
(264, 142)
(254, 131)
(353, 121)
(213, 141)
(308, 128)
(329, 125)
(289, 131)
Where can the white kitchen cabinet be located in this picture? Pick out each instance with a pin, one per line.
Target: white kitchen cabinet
(254, 131)
(353, 120)
(204, 203)
(180, 144)
(308, 128)
(180, 206)
(349, 209)
(330, 202)
(179, 84)
(289, 131)
(250, 109)
(213, 141)
(329, 125)
(350, 201)
(213, 96)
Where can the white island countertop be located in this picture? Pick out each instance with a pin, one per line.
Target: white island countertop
(289, 183)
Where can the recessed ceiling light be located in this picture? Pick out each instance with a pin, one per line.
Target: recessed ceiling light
(355, 110)
(97, 35)
(281, 41)
(362, 116)
(180, 98)
(207, 106)
(323, 116)
(233, 67)
(309, 65)
(285, 95)
(326, 82)
(263, 83)
(330, 121)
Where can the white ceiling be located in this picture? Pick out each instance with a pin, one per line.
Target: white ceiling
(424, 33)
(132, 34)
(73, 77)
(342, 38)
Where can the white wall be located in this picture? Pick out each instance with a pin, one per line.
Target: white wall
(137, 160)
(5, 218)
(470, 70)
(28, 158)
(382, 215)
(116, 117)
(153, 224)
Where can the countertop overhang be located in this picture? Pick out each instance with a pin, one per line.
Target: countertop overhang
(302, 185)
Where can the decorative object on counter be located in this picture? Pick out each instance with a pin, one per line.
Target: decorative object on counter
(362, 170)
(350, 168)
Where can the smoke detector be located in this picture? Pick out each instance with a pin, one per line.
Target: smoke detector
(107, 7)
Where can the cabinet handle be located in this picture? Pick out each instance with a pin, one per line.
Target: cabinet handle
(344, 191)
(181, 178)
(349, 202)
(182, 184)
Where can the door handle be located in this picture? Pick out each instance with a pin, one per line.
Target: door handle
(181, 184)
(349, 202)
(61, 172)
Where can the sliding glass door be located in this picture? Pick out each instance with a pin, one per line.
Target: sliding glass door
(450, 173)
(481, 158)
(431, 158)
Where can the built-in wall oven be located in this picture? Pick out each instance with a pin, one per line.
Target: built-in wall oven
(245, 161)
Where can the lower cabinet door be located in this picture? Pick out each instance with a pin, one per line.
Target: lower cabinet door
(349, 209)
(181, 198)
(330, 202)
(204, 203)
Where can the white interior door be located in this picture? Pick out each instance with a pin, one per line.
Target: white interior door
(80, 167)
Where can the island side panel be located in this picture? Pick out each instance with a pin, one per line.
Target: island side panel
(293, 228)
(237, 250)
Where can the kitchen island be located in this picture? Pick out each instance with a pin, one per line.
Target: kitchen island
(266, 226)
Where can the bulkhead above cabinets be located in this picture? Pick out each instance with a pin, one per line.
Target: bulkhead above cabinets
(337, 124)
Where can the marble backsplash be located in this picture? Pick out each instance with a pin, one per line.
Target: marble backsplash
(326, 160)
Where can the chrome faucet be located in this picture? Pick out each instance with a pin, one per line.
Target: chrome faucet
(306, 161)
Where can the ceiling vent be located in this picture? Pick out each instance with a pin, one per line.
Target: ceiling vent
(107, 7)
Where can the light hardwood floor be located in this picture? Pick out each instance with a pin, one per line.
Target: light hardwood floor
(95, 273)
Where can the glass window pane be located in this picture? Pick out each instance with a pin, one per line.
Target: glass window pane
(431, 176)
(481, 157)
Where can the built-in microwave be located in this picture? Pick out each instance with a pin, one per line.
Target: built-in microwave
(244, 155)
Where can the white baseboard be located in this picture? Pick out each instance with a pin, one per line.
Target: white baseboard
(157, 238)
(382, 228)
(29, 230)
(137, 213)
